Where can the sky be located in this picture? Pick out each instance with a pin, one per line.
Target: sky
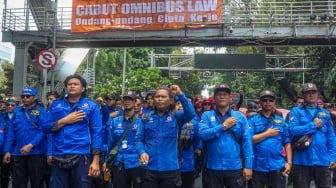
(20, 3)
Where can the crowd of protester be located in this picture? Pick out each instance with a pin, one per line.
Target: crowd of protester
(165, 139)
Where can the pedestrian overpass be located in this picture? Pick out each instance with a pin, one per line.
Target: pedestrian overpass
(271, 24)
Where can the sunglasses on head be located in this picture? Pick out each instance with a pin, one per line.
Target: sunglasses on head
(267, 100)
(25, 96)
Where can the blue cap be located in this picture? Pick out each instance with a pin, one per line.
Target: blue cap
(29, 91)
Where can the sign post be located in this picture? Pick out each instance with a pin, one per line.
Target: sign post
(47, 60)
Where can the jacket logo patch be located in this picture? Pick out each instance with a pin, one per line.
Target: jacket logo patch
(35, 112)
(322, 114)
(85, 105)
(119, 125)
(278, 121)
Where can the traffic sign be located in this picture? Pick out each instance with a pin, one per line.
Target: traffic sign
(46, 59)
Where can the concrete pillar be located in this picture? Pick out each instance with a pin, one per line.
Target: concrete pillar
(20, 67)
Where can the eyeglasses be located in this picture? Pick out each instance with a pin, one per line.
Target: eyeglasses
(25, 96)
(13, 105)
(267, 100)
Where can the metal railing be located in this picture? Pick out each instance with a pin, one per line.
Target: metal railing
(235, 14)
(278, 13)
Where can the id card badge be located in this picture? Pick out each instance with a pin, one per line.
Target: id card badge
(124, 144)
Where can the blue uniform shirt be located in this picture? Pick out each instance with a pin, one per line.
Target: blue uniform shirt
(158, 136)
(127, 152)
(268, 153)
(26, 128)
(106, 111)
(223, 151)
(81, 137)
(3, 130)
(322, 150)
(188, 149)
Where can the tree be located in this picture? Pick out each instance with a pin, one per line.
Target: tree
(6, 77)
(139, 76)
(190, 82)
(325, 76)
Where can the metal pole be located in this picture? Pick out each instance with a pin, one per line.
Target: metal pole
(303, 74)
(152, 58)
(27, 15)
(124, 70)
(52, 72)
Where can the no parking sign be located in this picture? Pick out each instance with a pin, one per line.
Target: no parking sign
(46, 59)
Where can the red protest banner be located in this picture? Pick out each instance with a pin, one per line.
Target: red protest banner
(95, 15)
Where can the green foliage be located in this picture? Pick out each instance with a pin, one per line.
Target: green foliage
(190, 83)
(139, 75)
(140, 80)
(7, 76)
(325, 76)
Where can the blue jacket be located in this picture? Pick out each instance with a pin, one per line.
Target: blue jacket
(126, 152)
(4, 125)
(106, 111)
(223, 151)
(322, 150)
(81, 137)
(188, 153)
(268, 153)
(158, 136)
(25, 128)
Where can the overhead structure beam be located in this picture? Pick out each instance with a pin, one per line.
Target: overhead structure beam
(310, 23)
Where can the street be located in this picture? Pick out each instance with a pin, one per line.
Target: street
(198, 183)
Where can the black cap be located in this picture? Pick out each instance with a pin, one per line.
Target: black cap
(308, 87)
(110, 97)
(267, 93)
(222, 87)
(252, 107)
(130, 94)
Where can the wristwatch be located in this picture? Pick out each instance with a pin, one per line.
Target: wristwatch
(225, 127)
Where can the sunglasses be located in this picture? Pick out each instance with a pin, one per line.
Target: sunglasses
(267, 100)
(13, 105)
(25, 96)
(207, 104)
